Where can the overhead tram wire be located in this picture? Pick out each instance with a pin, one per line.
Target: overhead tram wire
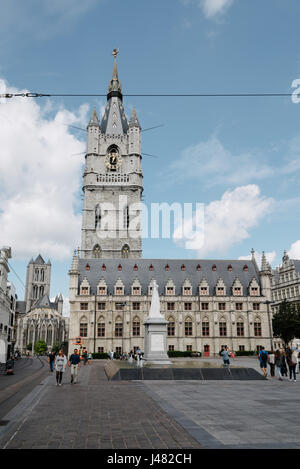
(150, 95)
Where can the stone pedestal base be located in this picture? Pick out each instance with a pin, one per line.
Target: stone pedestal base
(155, 345)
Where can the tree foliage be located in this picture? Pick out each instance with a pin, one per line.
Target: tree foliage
(40, 347)
(286, 322)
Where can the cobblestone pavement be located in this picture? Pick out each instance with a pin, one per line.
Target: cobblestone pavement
(93, 413)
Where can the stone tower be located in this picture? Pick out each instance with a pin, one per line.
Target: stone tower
(112, 181)
(37, 281)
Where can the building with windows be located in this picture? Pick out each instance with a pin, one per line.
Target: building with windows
(39, 318)
(8, 300)
(208, 303)
(285, 286)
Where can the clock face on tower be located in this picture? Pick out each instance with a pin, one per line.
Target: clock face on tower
(113, 160)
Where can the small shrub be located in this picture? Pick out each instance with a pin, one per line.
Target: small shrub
(178, 353)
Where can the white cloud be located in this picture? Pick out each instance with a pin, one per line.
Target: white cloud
(270, 256)
(227, 221)
(39, 177)
(211, 8)
(294, 251)
(211, 162)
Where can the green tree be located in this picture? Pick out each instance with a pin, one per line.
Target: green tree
(56, 347)
(40, 347)
(286, 322)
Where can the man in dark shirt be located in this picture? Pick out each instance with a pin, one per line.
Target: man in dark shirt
(51, 360)
(74, 363)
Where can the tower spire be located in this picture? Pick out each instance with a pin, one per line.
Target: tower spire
(114, 86)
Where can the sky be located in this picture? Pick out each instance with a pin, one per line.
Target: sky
(239, 156)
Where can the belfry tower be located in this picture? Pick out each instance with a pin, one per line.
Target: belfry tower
(112, 181)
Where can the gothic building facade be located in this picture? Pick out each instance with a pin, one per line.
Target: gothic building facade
(39, 318)
(208, 303)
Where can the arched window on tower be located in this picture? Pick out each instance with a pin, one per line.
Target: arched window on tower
(126, 218)
(97, 251)
(125, 251)
(97, 217)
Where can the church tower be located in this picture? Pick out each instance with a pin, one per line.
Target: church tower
(112, 181)
(37, 281)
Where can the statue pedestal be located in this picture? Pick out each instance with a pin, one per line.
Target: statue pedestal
(155, 345)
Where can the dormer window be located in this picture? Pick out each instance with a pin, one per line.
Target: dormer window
(119, 267)
(170, 290)
(245, 268)
(103, 267)
(203, 290)
(151, 267)
(102, 290)
(183, 267)
(136, 290)
(135, 267)
(119, 290)
(87, 267)
(84, 290)
(220, 291)
(198, 267)
(254, 291)
(237, 290)
(214, 267)
(167, 268)
(187, 290)
(229, 268)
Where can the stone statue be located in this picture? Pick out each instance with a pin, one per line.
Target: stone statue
(155, 304)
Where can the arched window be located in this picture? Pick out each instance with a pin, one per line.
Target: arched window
(126, 218)
(49, 335)
(188, 327)
(136, 327)
(240, 328)
(36, 275)
(125, 251)
(97, 217)
(83, 327)
(118, 327)
(41, 291)
(42, 275)
(97, 251)
(101, 327)
(171, 327)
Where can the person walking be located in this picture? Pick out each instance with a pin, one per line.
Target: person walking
(74, 363)
(85, 357)
(225, 354)
(278, 363)
(292, 359)
(90, 358)
(60, 366)
(263, 361)
(271, 361)
(283, 364)
(51, 360)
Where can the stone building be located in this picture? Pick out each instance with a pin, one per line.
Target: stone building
(285, 286)
(39, 318)
(8, 299)
(208, 303)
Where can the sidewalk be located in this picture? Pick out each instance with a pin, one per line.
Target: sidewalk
(94, 413)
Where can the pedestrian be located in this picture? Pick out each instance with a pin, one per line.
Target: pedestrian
(112, 355)
(292, 359)
(225, 355)
(60, 366)
(90, 357)
(283, 364)
(263, 360)
(51, 360)
(278, 363)
(271, 361)
(74, 363)
(85, 357)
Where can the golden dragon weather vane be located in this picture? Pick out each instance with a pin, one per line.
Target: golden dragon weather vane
(115, 52)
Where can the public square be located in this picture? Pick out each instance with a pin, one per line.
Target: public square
(100, 414)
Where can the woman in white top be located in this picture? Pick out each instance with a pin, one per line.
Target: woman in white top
(60, 366)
